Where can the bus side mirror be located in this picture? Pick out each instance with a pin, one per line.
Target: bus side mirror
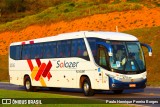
(148, 47)
(108, 46)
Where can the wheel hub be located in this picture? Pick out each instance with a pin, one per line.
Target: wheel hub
(27, 85)
(86, 87)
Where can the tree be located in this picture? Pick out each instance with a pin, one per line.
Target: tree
(2, 6)
(15, 5)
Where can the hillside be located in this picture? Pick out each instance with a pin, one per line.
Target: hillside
(11, 10)
(125, 20)
(133, 18)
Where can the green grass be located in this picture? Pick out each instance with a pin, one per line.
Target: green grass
(22, 94)
(68, 11)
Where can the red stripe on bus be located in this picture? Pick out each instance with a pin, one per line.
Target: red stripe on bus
(49, 76)
(31, 42)
(40, 71)
(30, 64)
(23, 43)
(47, 69)
(38, 62)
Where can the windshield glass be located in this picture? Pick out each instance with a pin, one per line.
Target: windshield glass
(127, 56)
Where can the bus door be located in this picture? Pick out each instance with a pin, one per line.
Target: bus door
(103, 62)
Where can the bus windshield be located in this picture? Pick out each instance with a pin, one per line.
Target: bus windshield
(127, 56)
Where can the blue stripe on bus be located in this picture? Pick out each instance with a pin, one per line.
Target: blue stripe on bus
(125, 85)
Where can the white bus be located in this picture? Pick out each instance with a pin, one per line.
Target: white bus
(90, 60)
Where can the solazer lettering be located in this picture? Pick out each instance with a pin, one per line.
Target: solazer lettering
(66, 64)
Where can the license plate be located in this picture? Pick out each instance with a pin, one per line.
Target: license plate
(132, 85)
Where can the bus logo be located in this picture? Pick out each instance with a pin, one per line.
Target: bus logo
(41, 71)
(66, 64)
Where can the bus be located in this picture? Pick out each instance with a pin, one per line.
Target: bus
(89, 60)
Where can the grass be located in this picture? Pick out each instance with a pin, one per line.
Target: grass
(85, 102)
(68, 11)
(148, 3)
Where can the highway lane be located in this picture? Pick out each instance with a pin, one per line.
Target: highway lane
(148, 92)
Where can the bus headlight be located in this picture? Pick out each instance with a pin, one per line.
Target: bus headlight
(113, 85)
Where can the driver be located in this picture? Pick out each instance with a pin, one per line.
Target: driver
(120, 56)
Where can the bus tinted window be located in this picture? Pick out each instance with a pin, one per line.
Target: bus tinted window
(59, 49)
(26, 51)
(33, 48)
(39, 51)
(63, 48)
(36, 50)
(68, 49)
(50, 50)
(79, 49)
(93, 46)
(15, 52)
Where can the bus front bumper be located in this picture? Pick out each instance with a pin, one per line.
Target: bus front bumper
(119, 85)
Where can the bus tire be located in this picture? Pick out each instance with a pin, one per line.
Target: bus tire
(28, 85)
(87, 89)
(118, 91)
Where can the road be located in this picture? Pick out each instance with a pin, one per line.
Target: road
(148, 92)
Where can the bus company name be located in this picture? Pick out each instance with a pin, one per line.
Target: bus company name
(66, 64)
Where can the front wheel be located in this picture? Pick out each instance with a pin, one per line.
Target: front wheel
(87, 89)
(28, 85)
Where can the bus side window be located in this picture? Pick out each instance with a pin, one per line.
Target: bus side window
(40, 51)
(12, 52)
(79, 49)
(59, 50)
(15, 52)
(102, 57)
(63, 47)
(36, 50)
(67, 48)
(93, 47)
(26, 52)
(74, 48)
(33, 49)
(49, 50)
(54, 49)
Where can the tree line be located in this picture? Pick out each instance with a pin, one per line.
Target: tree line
(15, 6)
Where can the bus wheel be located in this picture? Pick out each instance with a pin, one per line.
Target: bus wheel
(28, 85)
(88, 91)
(117, 91)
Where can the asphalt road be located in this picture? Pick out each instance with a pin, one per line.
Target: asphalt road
(148, 92)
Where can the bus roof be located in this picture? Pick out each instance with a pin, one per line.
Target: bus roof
(112, 36)
(81, 34)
